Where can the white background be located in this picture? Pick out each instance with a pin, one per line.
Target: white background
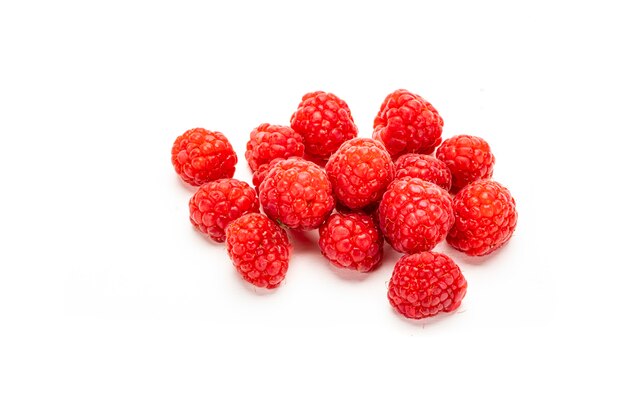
(112, 305)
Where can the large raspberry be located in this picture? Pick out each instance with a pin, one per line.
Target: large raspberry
(200, 156)
(268, 142)
(485, 218)
(217, 203)
(415, 215)
(324, 121)
(352, 240)
(406, 123)
(425, 167)
(469, 159)
(259, 249)
(297, 193)
(424, 284)
(360, 172)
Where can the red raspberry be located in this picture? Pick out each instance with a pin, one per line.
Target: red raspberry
(268, 142)
(406, 123)
(425, 167)
(360, 172)
(259, 249)
(469, 159)
(324, 121)
(352, 240)
(259, 175)
(297, 193)
(423, 284)
(485, 218)
(200, 156)
(415, 215)
(217, 203)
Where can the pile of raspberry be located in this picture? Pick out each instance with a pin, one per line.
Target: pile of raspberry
(404, 186)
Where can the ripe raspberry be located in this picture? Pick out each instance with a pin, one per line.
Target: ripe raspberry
(469, 159)
(297, 193)
(200, 156)
(360, 172)
(485, 218)
(425, 167)
(406, 123)
(259, 249)
(324, 121)
(268, 142)
(217, 203)
(415, 215)
(259, 175)
(352, 240)
(423, 284)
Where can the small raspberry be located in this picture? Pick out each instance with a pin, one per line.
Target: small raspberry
(268, 142)
(259, 175)
(217, 203)
(360, 172)
(415, 215)
(324, 121)
(425, 167)
(259, 249)
(426, 283)
(406, 123)
(297, 193)
(352, 240)
(469, 159)
(200, 156)
(485, 218)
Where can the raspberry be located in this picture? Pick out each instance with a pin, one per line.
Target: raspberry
(423, 284)
(485, 218)
(324, 121)
(259, 249)
(217, 203)
(469, 159)
(352, 240)
(415, 215)
(200, 156)
(268, 142)
(425, 167)
(406, 123)
(360, 172)
(259, 175)
(297, 193)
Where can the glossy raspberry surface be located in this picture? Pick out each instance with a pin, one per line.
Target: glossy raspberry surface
(351, 240)
(425, 167)
(219, 202)
(259, 249)
(469, 158)
(360, 172)
(425, 284)
(268, 142)
(406, 123)
(485, 218)
(415, 215)
(297, 193)
(324, 121)
(200, 156)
